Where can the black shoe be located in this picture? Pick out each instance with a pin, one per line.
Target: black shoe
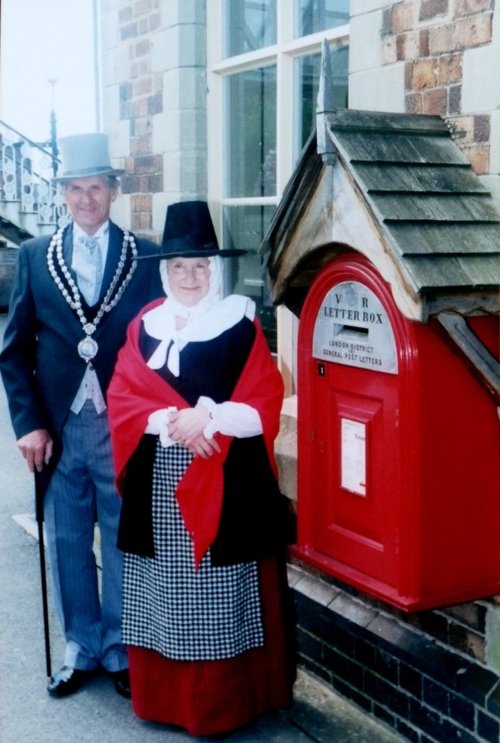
(66, 681)
(121, 680)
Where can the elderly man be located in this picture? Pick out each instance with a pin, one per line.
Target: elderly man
(73, 296)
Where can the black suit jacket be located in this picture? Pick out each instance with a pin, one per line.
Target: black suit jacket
(39, 362)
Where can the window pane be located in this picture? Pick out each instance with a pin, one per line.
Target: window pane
(244, 227)
(307, 72)
(251, 133)
(317, 15)
(249, 25)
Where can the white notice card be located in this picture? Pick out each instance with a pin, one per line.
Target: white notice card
(353, 456)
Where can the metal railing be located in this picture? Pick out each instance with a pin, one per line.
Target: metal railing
(26, 188)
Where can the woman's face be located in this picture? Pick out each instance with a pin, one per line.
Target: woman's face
(189, 279)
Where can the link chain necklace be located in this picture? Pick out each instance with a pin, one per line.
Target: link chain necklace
(88, 348)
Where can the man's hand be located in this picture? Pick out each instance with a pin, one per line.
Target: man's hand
(36, 448)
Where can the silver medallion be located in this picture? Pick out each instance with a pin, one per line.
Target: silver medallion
(87, 348)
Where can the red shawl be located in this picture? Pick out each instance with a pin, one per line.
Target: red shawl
(136, 391)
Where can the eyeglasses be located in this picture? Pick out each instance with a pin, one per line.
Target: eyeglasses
(182, 268)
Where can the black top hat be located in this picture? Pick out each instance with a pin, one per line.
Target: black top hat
(189, 233)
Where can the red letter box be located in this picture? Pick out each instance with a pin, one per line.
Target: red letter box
(399, 473)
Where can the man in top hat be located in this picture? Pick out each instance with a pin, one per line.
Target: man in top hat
(73, 296)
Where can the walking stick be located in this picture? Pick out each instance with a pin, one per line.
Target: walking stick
(43, 572)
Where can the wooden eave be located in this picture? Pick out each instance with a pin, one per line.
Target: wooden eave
(438, 224)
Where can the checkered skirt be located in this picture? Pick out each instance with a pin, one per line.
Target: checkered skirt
(185, 614)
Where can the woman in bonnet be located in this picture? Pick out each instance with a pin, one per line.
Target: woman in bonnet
(194, 409)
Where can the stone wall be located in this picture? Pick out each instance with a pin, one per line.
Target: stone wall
(154, 105)
(442, 57)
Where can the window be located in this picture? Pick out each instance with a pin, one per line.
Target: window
(307, 72)
(264, 61)
(319, 15)
(245, 227)
(251, 133)
(250, 25)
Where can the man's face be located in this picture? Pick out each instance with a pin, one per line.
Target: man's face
(89, 201)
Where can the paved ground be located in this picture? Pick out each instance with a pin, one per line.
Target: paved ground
(96, 713)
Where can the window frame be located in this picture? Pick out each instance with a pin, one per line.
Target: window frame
(282, 54)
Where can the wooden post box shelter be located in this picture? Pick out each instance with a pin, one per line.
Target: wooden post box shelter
(386, 245)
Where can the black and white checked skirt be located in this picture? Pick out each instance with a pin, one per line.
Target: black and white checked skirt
(185, 614)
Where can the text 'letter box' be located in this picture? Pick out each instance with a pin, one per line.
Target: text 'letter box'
(399, 473)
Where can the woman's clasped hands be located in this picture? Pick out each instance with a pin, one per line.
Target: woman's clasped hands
(186, 427)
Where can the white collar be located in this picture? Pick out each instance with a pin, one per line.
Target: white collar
(102, 232)
(159, 323)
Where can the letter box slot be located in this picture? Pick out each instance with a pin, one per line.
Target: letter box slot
(350, 331)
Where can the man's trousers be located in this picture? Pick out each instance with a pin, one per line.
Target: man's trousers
(80, 492)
